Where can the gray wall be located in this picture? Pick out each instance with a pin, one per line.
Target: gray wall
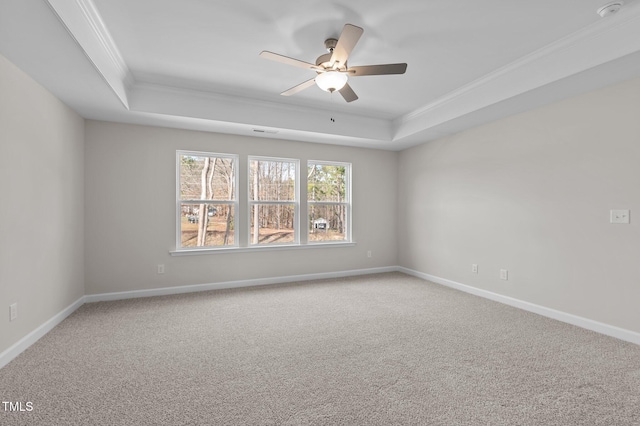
(42, 205)
(130, 210)
(532, 194)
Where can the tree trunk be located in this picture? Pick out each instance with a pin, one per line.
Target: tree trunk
(278, 207)
(203, 217)
(256, 207)
(230, 191)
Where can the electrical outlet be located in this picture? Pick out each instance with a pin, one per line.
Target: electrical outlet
(504, 274)
(474, 268)
(369, 253)
(619, 216)
(161, 268)
(13, 312)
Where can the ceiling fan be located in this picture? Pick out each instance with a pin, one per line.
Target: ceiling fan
(332, 69)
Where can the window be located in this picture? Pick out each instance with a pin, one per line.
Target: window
(206, 201)
(329, 201)
(210, 217)
(273, 201)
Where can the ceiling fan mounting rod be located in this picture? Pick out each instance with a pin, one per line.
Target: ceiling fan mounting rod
(330, 44)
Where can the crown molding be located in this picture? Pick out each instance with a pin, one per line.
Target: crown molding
(84, 23)
(603, 41)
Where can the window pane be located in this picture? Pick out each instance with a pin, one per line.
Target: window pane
(327, 182)
(207, 225)
(275, 224)
(272, 180)
(327, 222)
(206, 178)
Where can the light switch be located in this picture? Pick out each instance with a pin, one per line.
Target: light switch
(619, 216)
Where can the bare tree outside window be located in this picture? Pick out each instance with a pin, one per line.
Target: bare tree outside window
(207, 199)
(272, 200)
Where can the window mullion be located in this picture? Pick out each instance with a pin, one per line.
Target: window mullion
(266, 202)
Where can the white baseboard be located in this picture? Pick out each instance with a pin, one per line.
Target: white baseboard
(102, 297)
(8, 355)
(15, 350)
(31, 338)
(609, 330)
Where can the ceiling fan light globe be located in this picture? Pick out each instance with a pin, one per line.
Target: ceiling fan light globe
(331, 81)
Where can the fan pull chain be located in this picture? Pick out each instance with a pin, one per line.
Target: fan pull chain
(332, 105)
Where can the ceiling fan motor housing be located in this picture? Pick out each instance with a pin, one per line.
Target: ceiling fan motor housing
(324, 61)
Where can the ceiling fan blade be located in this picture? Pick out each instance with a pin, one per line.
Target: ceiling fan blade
(347, 41)
(300, 87)
(348, 94)
(289, 61)
(383, 69)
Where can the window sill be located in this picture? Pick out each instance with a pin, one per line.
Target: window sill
(196, 252)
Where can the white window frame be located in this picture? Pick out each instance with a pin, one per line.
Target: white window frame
(296, 202)
(233, 203)
(347, 203)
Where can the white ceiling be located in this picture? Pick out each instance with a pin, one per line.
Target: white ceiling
(195, 64)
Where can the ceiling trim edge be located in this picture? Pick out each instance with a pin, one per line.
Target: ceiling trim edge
(167, 100)
(84, 23)
(604, 41)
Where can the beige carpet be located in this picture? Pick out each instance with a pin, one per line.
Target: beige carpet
(380, 349)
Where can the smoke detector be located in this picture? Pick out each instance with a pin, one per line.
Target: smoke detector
(610, 9)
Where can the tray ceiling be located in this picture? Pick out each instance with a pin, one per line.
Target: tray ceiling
(195, 64)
